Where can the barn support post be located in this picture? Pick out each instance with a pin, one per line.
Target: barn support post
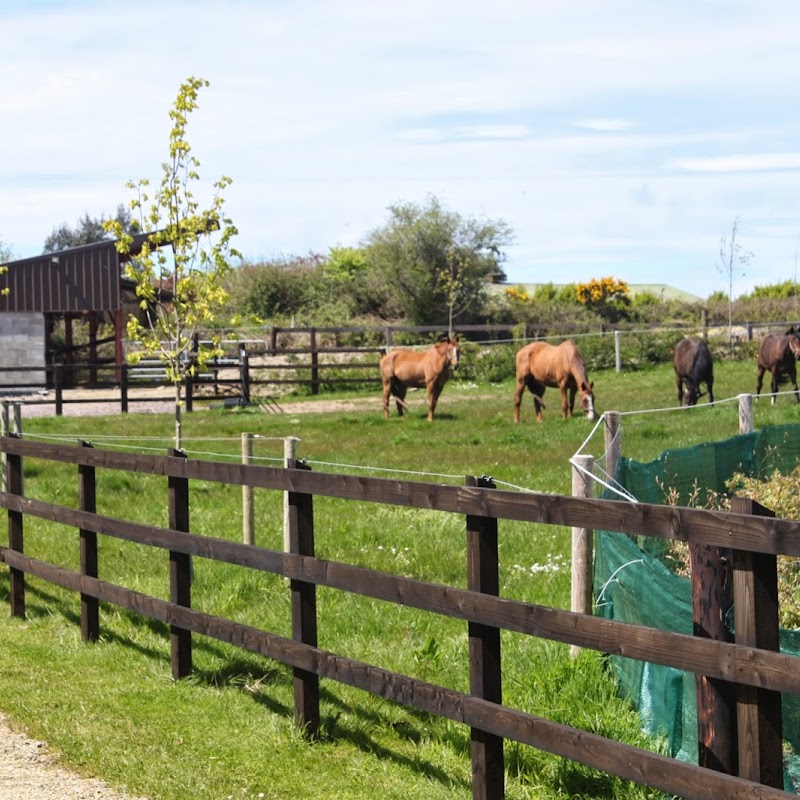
(485, 677)
(712, 597)
(755, 604)
(180, 573)
(119, 355)
(746, 413)
(15, 536)
(4, 417)
(248, 513)
(87, 501)
(304, 608)
(617, 351)
(93, 347)
(582, 542)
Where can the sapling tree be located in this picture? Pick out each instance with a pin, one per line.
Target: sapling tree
(183, 260)
(733, 263)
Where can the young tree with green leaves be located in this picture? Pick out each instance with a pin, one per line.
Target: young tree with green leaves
(183, 260)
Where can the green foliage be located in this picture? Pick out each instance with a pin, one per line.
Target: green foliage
(6, 253)
(89, 230)
(183, 260)
(779, 290)
(436, 262)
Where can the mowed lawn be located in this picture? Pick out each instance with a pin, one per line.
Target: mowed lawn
(112, 709)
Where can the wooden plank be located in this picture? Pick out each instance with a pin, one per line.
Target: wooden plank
(718, 528)
(760, 721)
(87, 500)
(628, 762)
(762, 668)
(485, 673)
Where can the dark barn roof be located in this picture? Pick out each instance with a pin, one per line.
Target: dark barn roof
(79, 279)
(86, 278)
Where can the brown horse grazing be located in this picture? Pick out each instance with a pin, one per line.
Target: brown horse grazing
(693, 366)
(778, 355)
(431, 369)
(540, 364)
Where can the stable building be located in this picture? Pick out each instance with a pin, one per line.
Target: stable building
(82, 284)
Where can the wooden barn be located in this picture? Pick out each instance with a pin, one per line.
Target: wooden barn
(55, 291)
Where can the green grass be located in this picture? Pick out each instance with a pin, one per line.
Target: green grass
(112, 709)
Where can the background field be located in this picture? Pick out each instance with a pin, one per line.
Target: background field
(113, 709)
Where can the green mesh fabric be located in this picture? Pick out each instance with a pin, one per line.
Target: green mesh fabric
(632, 585)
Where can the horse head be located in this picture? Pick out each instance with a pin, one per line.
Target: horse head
(691, 394)
(452, 352)
(794, 340)
(587, 400)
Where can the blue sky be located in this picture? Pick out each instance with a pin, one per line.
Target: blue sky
(618, 138)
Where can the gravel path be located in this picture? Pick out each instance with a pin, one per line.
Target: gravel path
(29, 771)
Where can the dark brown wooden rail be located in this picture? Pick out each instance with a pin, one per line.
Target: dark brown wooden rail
(755, 668)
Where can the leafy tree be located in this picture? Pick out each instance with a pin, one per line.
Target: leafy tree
(6, 253)
(435, 262)
(184, 259)
(733, 262)
(89, 230)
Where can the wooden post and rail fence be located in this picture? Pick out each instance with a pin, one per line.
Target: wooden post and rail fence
(750, 665)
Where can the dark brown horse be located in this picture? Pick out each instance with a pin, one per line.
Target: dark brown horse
(431, 369)
(540, 364)
(778, 355)
(693, 366)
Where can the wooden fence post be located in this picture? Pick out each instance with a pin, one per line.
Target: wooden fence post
(617, 351)
(746, 413)
(4, 432)
(244, 367)
(485, 677)
(180, 573)
(248, 515)
(58, 380)
(289, 456)
(314, 363)
(304, 608)
(87, 501)
(755, 604)
(15, 535)
(612, 437)
(582, 542)
(123, 387)
(712, 597)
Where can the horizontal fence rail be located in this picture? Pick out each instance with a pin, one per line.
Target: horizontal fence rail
(479, 605)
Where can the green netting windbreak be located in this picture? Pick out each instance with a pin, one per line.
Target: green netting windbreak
(632, 585)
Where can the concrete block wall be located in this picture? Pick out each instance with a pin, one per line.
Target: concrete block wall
(22, 344)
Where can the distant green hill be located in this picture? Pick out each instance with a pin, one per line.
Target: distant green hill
(661, 290)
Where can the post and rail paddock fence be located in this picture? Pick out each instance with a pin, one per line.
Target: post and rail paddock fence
(754, 671)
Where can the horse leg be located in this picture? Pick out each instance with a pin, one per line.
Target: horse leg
(793, 376)
(680, 391)
(399, 391)
(572, 393)
(774, 385)
(433, 398)
(565, 409)
(537, 390)
(518, 398)
(759, 380)
(387, 391)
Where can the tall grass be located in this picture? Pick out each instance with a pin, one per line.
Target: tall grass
(112, 708)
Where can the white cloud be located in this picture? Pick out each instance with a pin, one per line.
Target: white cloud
(324, 113)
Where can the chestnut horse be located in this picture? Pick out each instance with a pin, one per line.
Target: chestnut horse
(431, 369)
(778, 354)
(540, 364)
